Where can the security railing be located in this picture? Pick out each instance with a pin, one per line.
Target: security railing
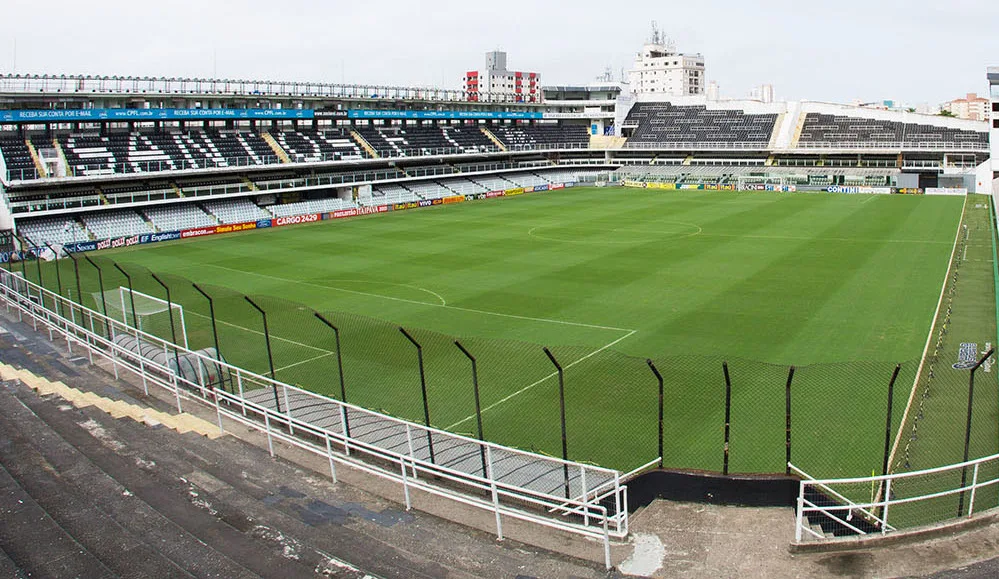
(577, 498)
(879, 505)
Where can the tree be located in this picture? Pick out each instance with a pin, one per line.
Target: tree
(946, 113)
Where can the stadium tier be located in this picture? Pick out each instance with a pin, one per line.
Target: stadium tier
(542, 136)
(663, 122)
(825, 130)
(181, 214)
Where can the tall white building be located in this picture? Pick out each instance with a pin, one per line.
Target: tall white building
(661, 70)
(763, 93)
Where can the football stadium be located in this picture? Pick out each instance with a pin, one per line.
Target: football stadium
(554, 303)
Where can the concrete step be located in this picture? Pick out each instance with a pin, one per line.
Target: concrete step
(80, 489)
(120, 459)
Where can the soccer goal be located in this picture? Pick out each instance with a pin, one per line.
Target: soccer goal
(152, 314)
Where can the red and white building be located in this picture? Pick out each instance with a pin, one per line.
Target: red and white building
(496, 83)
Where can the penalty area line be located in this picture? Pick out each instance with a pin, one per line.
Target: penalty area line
(548, 377)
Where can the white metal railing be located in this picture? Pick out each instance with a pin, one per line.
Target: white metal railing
(508, 482)
(858, 516)
(128, 85)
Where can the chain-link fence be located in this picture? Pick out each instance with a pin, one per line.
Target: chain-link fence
(732, 416)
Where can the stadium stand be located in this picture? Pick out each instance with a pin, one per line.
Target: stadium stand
(55, 230)
(108, 224)
(388, 194)
(542, 136)
(312, 206)
(178, 217)
(413, 141)
(665, 123)
(830, 130)
(305, 146)
(235, 210)
(17, 157)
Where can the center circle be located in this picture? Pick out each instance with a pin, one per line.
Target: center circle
(616, 235)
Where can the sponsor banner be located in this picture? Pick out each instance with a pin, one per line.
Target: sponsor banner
(344, 213)
(296, 219)
(375, 114)
(861, 190)
(556, 186)
(116, 242)
(692, 187)
(236, 227)
(329, 114)
(910, 191)
(85, 115)
(711, 186)
(9, 256)
(570, 184)
(158, 237)
(512, 192)
(437, 202)
(782, 188)
(404, 206)
(264, 224)
(727, 187)
(756, 187)
(540, 188)
(80, 246)
(454, 199)
(945, 191)
(636, 184)
(493, 194)
(200, 232)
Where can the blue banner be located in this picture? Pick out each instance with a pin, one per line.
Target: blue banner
(99, 115)
(375, 114)
(263, 223)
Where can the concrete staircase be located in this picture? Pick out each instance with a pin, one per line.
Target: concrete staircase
(364, 144)
(489, 134)
(273, 144)
(182, 423)
(39, 166)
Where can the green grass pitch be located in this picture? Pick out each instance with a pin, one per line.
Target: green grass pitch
(843, 286)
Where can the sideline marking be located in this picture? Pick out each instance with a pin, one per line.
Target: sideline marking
(319, 357)
(403, 300)
(405, 285)
(259, 333)
(553, 374)
(929, 340)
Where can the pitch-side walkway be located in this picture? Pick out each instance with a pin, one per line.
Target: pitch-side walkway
(83, 493)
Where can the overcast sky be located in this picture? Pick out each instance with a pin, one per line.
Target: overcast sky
(914, 51)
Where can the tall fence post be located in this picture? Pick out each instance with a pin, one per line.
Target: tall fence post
(339, 365)
(787, 421)
(104, 301)
(76, 272)
(131, 295)
(561, 405)
(38, 262)
(478, 407)
(58, 276)
(270, 356)
(967, 428)
(728, 415)
(659, 377)
(888, 437)
(215, 335)
(423, 389)
(173, 326)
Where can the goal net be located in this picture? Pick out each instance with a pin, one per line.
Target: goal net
(149, 314)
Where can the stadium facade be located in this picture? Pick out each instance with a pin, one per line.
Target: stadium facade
(88, 159)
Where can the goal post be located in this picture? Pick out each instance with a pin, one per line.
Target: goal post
(152, 314)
